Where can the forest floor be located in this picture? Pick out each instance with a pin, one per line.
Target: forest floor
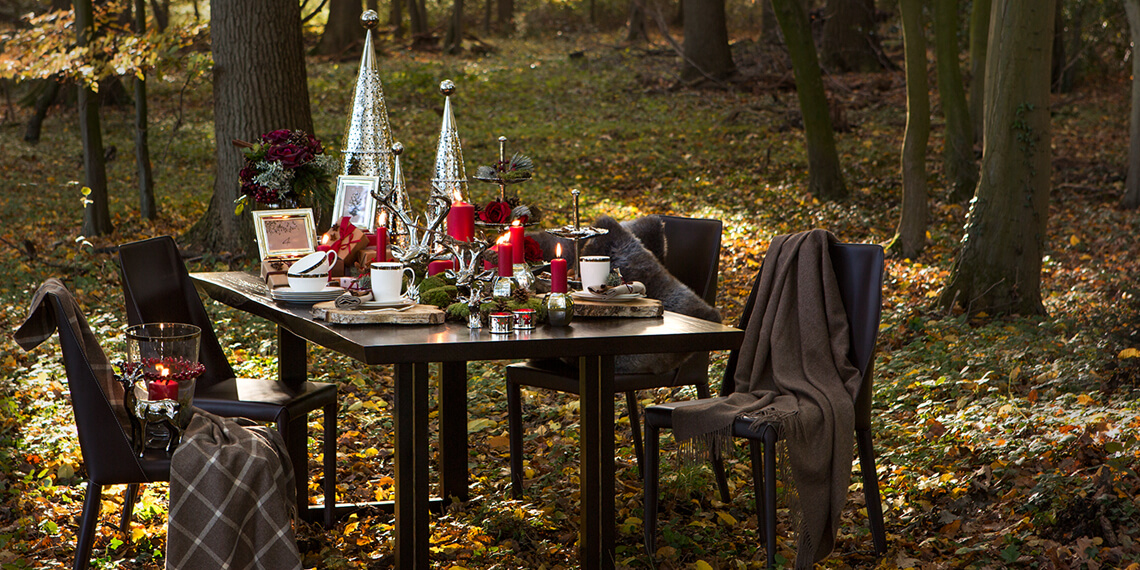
(1001, 441)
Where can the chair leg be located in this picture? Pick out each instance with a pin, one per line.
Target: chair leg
(650, 469)
(635, 427)
(330, 412)
(85, 538)
(770, 493)
(295, 432)
(756, 453)
(717, 461)
(515, 429)
(130, 497)
(871, 490)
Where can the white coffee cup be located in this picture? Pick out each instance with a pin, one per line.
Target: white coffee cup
(595, 270)
(314, 263)
(308, 282)
(387, 278)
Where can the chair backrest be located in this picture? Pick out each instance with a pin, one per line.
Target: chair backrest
(106, 448)
(859, 271)
(157, 288)
(692, 253)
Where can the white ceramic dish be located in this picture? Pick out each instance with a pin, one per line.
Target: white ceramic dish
(402, 302)
(587, 296)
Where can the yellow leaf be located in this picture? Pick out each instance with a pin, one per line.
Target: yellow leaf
(726, 518)
(371, 452)
(666, 552)
(1129, 353)
(702, 565)
(350, 527)
(1015, 374)
(1074, 240)
(137, 533)
(1085, 399)
(480, 424)
(499, 442)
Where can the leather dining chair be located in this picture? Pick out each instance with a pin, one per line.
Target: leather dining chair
(107, 452)
(859, 272)
(157, 288)
(692, 255)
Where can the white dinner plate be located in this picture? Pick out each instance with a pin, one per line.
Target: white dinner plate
(401, 302)
(294, 296)
(587, 296)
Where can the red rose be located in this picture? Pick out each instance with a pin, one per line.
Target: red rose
(533, 251)
(280, 136)
(290, 155)
(496, 212)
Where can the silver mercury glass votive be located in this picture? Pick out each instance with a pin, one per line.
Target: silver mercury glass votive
(501, 323)
(559, 309)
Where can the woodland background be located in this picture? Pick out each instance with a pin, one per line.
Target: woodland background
(1004, 438)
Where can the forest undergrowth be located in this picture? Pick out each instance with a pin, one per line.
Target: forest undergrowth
(1001, 441)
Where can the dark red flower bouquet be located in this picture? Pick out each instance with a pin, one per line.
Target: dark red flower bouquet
(506, 212)
(288, 168)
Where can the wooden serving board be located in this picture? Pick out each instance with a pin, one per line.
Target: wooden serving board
(417, 315)
(643, 308)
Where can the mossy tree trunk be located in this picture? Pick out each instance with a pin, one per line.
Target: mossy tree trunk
(707, 56)
(958, 140)
(1132, 185)
(260, 85)
(998, 268)
(849, 40)
(910, 237)
(97, 214)
(979, 38)
(825, 177)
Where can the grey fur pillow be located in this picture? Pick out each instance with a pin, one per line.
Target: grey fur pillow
(637, 263)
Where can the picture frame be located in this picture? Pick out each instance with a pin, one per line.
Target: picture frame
(285, 232)
(354, 199)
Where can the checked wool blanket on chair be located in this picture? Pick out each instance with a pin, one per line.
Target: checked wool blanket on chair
(232, 498)
(793, 371)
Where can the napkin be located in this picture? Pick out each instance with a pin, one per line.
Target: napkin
(609, 292)
(348, 301)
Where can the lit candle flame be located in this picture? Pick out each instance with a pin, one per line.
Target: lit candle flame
(162, 370)
(325, 239)
(505, 238)
(558, 250)
(383, 218)
(516, 223)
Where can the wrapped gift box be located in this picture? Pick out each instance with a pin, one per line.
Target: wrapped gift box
(274, 269)
(348, 241)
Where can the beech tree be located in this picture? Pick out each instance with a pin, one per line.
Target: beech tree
(1132, 185)
(342, 29)
(260, 85)
(958, 139)
(97, 214)
(979, 37)
(849, 41)
(148, 206)
(910, 237)
(998, 268)
(706, 52)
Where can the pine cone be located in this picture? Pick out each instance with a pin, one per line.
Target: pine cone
(520, 295)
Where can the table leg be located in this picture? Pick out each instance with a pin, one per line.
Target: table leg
(412, 528)
(292, 358)
(596, 406)
(453, 431)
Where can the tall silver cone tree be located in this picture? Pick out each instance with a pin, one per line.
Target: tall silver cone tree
(998, 268)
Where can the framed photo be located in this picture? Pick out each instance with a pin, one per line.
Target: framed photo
(285, 232)
(354, 199)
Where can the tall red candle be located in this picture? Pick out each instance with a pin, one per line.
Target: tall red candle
(558, 275)
(506, 269)
(461, 221)
(381, 243)
(518, 247)
(439, 266)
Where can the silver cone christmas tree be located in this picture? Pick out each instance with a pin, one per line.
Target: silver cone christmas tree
(367, 144)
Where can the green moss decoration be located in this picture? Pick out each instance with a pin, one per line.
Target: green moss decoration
(439, 296)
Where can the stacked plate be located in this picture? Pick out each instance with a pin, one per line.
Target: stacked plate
(290, 295)
(397, 304)
(588, 296)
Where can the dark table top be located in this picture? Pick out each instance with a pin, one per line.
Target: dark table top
(453, 341)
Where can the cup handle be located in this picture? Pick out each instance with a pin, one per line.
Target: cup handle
(332, 257)
(411, 276)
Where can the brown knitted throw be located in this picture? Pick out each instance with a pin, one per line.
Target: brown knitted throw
(793, 370)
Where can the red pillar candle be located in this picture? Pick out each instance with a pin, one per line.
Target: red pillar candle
(488, 264)
(381, 243)
(558, 275)
(506, 269)
(461, 221)
(439, 266)
(518, 247)
(162, 389)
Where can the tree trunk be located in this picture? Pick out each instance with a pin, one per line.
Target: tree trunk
(958, 144)
(343, 29)
(825, 177)
(488, 11)
(148, 207)
(396, 18)
(49, 90)
(636, 30)
(979, 35)
(1058, 79)
(849, 40)
(417, 15)
(162, 13)
(453, 39)
(998, 269)
(97, 214)
(1131, 198)
(910, 237)
(259, 86)
(706, 52)
(506, 16)
(769, 33)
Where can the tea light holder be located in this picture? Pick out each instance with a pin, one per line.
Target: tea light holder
(501, 323)
(559, 309)
(524, 319)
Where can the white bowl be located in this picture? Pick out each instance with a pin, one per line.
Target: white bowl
(314, 282)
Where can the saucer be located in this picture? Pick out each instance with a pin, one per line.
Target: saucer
(587, 296)
(401, 302)
(292, 295)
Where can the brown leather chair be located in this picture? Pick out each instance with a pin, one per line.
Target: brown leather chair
(859, 270)
(692, 255)
(106, 448)
(157, 288)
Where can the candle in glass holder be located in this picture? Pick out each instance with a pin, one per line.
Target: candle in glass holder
(461, 221)
(506, 258)
(518, 247)
(163, 387)
(558, 272)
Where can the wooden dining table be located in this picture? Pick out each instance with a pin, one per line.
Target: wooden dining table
(410, 348)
